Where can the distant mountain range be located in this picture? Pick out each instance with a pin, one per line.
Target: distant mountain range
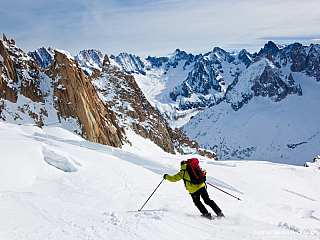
(262, 106)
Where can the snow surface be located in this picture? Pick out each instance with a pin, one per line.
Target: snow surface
(98, 190)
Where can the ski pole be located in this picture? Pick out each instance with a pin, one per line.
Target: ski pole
(151, 195)
(224, 191)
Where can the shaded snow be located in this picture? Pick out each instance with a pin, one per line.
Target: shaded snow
(58, 161)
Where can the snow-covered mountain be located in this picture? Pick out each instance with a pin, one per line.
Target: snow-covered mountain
(90, 60)
(220, 83)
(101, 106)
(42, 56)
(270, 111)
(283, 79)
(189, 83)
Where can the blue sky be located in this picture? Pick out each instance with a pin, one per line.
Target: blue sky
(158, 27)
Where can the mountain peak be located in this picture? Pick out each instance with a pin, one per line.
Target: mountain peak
(218, 49)
(270, 47)
(90, 60)
(42, 56)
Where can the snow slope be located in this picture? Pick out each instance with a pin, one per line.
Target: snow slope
(55, 185)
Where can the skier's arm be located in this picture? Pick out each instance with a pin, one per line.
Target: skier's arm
(175, 178)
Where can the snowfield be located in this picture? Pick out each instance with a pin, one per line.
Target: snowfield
(55, 185)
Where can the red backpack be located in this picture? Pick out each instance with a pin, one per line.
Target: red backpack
(196, 174)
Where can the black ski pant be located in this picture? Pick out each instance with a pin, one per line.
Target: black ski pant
(205, 196)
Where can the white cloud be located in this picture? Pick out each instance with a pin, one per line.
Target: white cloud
(159, 27)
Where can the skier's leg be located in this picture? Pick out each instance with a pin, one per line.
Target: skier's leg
(196, 200)
(208, 201)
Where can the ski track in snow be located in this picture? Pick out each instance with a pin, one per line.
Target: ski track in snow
(100, 198)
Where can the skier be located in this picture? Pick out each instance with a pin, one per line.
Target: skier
(195, 190)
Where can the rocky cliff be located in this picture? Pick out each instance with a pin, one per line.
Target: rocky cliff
(75, 97)
(20, 76)
(124, 97)
(100, 104)
(62, 91)
(133, 111)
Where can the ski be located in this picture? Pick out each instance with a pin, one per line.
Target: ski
(208, 216)
(151, 210)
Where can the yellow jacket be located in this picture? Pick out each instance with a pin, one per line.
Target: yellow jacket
(183, 174)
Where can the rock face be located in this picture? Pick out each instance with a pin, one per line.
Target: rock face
(263, 79)
(304, 59)
(9, 77)
(217, 75)
(269, 84)
(100, 105)
(182, 144)
(63, 88)
(130, 63)
(75, 97)
(124, 97)
(20, 76)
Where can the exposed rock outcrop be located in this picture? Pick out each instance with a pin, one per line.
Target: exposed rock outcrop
(121, 92)
(63, 85)
(269, 84)
(76, 97)
(8, 75)
(305, 59)
(20, 76)
(184, 145)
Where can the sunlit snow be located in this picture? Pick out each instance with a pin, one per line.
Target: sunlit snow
(56, 185)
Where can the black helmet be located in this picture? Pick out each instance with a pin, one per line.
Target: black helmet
(183, 162)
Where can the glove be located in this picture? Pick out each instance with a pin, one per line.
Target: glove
(164, 176)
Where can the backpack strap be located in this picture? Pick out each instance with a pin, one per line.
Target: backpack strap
(185, 180)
